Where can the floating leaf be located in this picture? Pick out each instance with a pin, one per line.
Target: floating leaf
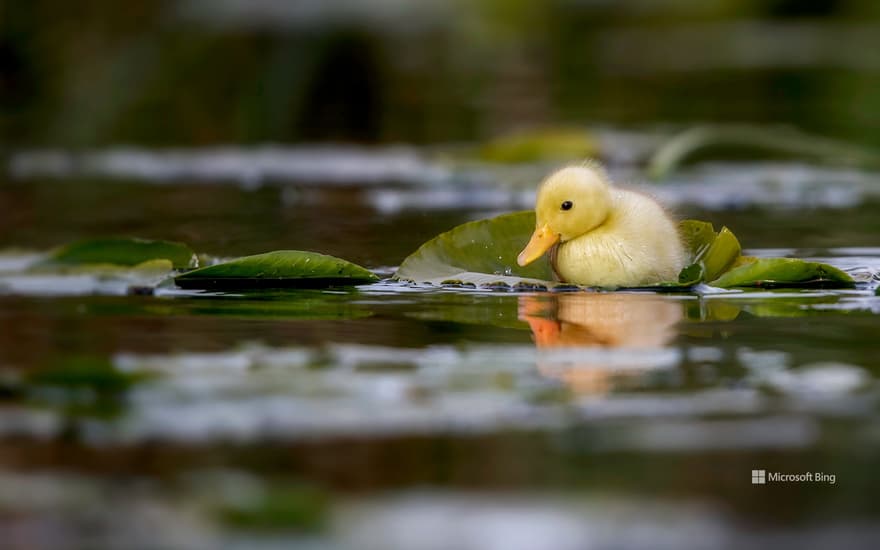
(483, 254)
(773, 140)
(480, 253)
(118, 251)
(697, 236)
(555, 144)
(782, 272)
(282, 268)
(720, 255)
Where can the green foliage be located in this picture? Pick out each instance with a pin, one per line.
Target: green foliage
(782, 272)
(479, 253)
(118, 251)
(710, 253)
(279, 269)
(483, 253)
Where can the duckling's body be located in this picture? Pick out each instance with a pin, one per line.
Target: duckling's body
(637, 245)
(608, 237)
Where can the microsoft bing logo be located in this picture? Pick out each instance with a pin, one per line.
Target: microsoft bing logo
(759, 477)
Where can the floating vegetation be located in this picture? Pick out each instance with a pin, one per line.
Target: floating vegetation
(126, 252)
(483, 253)
(282, 268)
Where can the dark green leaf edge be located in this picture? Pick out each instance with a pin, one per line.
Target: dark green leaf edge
(119, 251)
(278, 269)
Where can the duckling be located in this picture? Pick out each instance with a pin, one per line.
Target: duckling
(606, 236)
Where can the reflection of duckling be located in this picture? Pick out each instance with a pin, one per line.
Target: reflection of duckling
(609, 237)
(593, 320)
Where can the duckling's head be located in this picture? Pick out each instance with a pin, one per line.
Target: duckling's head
(570, 203)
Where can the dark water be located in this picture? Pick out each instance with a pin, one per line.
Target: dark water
(397, 417)
(384, 416)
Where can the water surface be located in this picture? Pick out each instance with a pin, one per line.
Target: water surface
(328, 419)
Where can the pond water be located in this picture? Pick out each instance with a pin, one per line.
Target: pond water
(399, 416)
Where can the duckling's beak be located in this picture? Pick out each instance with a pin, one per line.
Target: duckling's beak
(542, 240)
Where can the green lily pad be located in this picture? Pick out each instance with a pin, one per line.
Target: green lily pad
(480, 253)
(279, 269)
(768, 272)
(722, 253)
(697, 235)
(483, 254)
(714, 252)
(117, 251)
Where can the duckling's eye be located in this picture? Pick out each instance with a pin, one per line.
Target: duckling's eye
(566, 205)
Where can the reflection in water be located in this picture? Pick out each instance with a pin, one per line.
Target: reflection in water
(608, 336)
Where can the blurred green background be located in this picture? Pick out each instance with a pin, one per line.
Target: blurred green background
(196, 72)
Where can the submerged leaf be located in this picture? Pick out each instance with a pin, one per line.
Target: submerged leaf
(481, 253)
(118, 251)
(282, 268)
(782, 272)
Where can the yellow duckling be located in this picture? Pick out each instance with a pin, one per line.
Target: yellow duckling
(608, 237)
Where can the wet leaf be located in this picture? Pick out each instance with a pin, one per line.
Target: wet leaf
(720, 255)
(481, 253)
(555, 144)
(117, 251)
(279, 269)
(782, 272)
(697, 236)
(691, 275)
(713, 252)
